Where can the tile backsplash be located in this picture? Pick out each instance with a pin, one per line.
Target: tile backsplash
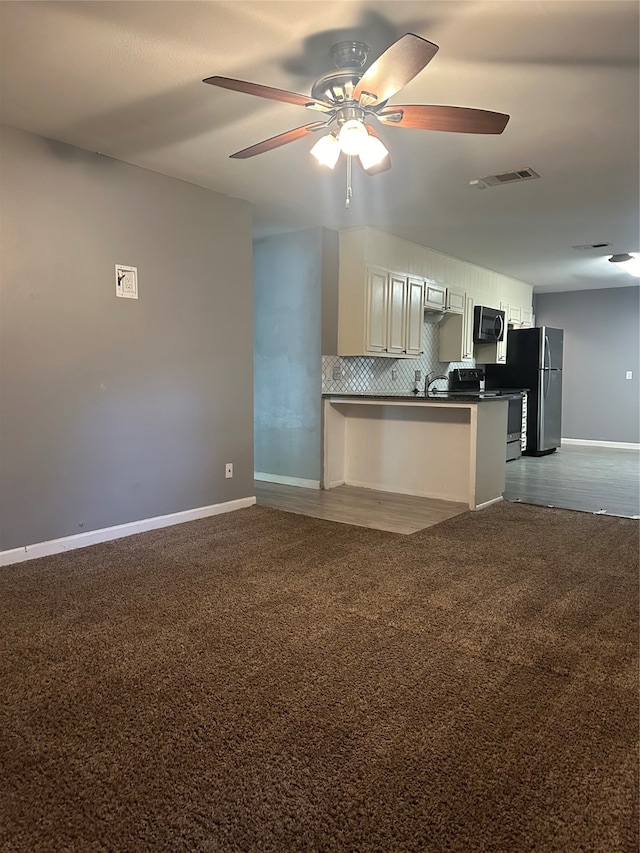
(371, 374)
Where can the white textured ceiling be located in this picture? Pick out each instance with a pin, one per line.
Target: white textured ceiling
(124, 79)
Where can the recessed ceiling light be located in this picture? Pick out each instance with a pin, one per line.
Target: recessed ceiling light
(627, 262)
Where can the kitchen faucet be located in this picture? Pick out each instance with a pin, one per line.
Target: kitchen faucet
(428, 379)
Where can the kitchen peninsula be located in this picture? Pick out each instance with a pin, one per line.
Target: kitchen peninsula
(443, 446)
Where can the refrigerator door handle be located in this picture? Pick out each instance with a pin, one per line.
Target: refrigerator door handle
(549, 409)
(540, 437)
(546, 353)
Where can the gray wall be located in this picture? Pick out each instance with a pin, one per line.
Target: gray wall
(288, 297)
(114, 410)
(600, 344)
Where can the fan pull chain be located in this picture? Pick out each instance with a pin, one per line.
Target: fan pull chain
(349, 187)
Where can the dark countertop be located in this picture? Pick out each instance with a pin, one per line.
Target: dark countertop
(432, 397)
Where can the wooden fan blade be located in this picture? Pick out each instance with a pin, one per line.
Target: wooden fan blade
(452, 119)
(277, 141)
(379, 167)
(394, 69)
(269, 92)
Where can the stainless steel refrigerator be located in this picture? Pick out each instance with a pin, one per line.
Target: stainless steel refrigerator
(534, 362)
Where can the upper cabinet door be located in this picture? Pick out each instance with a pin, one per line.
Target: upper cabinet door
(514, 315)
(467, 328)
(435, 295)
(376, 319)
(527, 318)
(415, 316)
(396, 328)
(455, 301)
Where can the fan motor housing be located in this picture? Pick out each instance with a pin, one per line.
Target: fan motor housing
(336, 86)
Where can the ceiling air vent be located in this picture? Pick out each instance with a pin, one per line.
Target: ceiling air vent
(505, 178)
(584, 246)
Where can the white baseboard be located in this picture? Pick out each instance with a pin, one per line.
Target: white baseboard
(380, 487)
(105, 534)
(488, 503)
(286, 481)
(622, 445)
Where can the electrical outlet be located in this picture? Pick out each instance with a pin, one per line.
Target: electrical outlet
(418, 376)
(337, 372)
(629, 374)
(394, 372)
(228, 470)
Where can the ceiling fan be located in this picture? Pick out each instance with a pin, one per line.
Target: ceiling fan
(350, 99)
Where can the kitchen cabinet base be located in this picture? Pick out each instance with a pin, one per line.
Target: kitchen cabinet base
(449, 451)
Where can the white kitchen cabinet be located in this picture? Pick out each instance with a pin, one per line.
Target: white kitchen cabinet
(467, 329)
(379, 315)
(514, 315)
(376, 311)
(518, 317)
(414, 316)
(396, 314)
(382, 315)
(456, 334)
(455, 301)
(435, 295)
(527, 318)
(405, 315)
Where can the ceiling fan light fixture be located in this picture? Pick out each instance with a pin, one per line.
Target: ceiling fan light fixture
(349, 96)
(327, 150)
(372, 152)
(627, 262)
(352, 136)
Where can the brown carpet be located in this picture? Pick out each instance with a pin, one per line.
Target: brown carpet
(263, 681)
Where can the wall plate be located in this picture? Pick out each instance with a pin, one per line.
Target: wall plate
(126, 281)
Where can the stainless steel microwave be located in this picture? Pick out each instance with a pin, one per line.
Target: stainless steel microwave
(488, 325)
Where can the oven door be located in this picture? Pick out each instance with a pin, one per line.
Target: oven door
(514, 420)
(514, 429)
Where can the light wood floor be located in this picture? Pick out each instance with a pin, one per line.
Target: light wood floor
(590, 479)
(362, 507)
